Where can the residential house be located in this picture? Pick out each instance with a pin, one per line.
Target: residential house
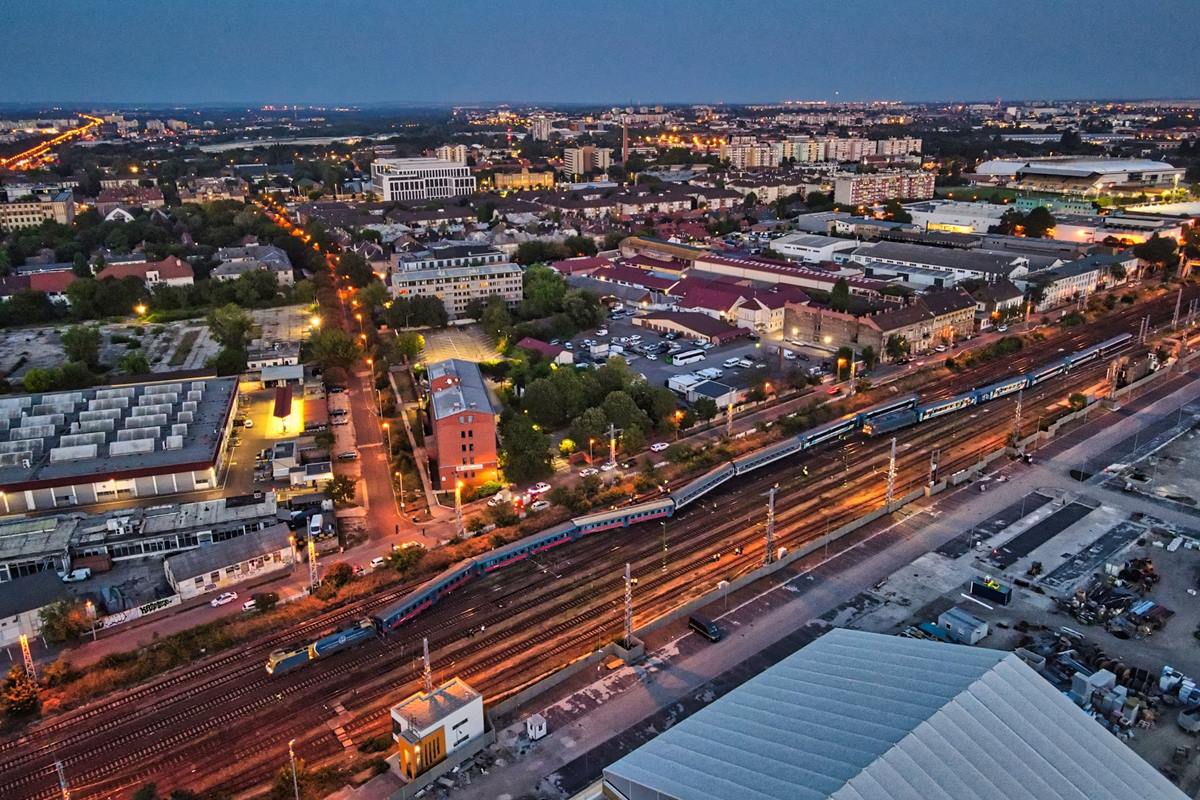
(170, 271)
(235, 261)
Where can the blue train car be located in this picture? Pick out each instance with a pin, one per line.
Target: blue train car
(766, 455)
(624, 517)
(334, 642)
(887, 423)
(887, 408)
(282, 661)
(940, 407)
(1047, 372)
(530, 545)
(828, 432)
(706, 482)
(423, 597)
(1115, 343)
(1001, 388)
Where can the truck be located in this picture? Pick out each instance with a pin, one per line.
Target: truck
(710, 373)
(599, 350)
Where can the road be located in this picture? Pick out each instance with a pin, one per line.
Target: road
(39, 154)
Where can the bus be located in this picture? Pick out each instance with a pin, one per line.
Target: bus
(686, 357)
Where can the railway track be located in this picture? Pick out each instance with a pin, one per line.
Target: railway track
(690, 542)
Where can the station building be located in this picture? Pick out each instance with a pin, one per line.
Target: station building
(75, 448)
(428, 727)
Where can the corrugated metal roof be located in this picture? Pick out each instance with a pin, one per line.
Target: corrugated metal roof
(863, 716)
(218, 555)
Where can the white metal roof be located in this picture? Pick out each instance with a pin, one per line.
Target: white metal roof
(864, 716)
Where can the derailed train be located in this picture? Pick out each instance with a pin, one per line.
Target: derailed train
(887, 416)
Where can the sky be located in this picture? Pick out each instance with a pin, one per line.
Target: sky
(364, 52)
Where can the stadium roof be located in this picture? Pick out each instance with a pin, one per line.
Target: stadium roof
(864, 716)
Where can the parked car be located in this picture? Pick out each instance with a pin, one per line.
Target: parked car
(250, 605)
(602, 332)
(539, 505)
(568, 346)
(336, 389)
(540, 488)
(588, 471)
(349, 455)
(658, 447)
(76, 575)
(222, 599)
(248, 423)
(607, 466)
(941, 348)
(789, 355)
(1002, 328)
(377, 562)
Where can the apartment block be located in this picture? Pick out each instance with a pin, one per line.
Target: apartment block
(866, 189)
(396, 179)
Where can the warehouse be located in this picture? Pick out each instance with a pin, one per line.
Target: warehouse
(73, 448)
(222, 564)
(864, 716)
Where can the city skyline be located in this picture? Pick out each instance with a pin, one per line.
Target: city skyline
(670, 54)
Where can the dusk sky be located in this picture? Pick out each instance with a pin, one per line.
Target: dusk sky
(309, 51)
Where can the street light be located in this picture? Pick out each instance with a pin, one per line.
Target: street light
(400, 477)
(140, 309)
(387, 431)
(91, 612)
(590, 443)
(458, 520)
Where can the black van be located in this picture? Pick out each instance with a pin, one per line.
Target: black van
(705, 627)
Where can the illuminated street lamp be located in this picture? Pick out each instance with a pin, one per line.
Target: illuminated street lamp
(387, 431)
(458, 520)
(91, 612)
(140, 309)
(590, 443)
(314, 321)
(400, 477)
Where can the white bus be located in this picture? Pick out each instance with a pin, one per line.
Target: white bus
(687, 357)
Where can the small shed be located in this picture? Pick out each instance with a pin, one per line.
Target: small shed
(963, 627)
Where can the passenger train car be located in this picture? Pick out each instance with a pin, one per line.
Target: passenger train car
(889, 415)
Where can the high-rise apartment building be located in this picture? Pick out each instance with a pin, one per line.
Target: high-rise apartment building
(876, 187)
(452, 152)
(586, 159)
(420, 178)
(539, 127)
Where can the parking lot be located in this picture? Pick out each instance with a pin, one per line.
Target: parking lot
(657, 370)
(469, 343)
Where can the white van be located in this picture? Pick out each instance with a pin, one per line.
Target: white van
(730, 363)
(316, 524)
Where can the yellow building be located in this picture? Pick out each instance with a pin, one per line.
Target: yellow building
(31, 211)
(514, 181)
(430, 726)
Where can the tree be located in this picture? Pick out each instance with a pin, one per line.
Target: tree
(705, 408)
(265, 601)
(496, 319)
(543, 291)
(583, 308)
(623, 412)
(525, 450)
(20, 693)
(406, 559)
(134, 362)
(324, 439)
(230, 325)
(870, 357)
(229, 361)
(580, 245)
(538, 251)
(304, 292)
(1038, 222)
(896, 347)
(147, 791)
(355, 269)
(333, 347)
(839, 297)
(82, 343)
(340, 489)
(64, 620)
(408, 345)
(894, 211)
(1077, 401)
(591, 424)
(339, 574)
(371, 296)
(39, 379)
(1158, 251)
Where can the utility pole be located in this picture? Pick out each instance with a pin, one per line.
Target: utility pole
(292, 759)
(314, 576)
(1114, 370)
(664, 545)
(25, 654)
(891, 486)
(458, 518)
(769, 557)
(729, 420)
(62, 779)
(1178, 305)
(1017, 417)
(933, 466)
(427, 673)
(628, 607)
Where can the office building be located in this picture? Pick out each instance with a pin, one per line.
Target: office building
(29, 211)
(463, 419)
(877, 187)
(395, 179)
(580, 161)
(523, 179)
(864, 716)
(108, 443)
(452, 152)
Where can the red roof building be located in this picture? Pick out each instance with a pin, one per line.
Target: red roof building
(171, 271)
(579, 266)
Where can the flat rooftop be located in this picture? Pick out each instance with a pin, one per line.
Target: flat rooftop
(86, 435)
(423, 711)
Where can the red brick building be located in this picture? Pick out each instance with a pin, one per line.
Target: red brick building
(463, 420)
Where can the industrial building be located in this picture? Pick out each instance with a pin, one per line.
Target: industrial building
(463, 419)
(864, 716)
(223, 564)
(1083, 176)
(22, 600)
(73, 448)
(951, 216)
